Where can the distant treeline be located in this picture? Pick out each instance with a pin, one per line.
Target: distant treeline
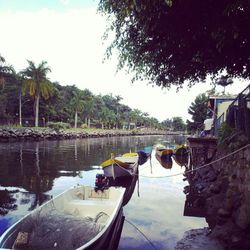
(28, 98)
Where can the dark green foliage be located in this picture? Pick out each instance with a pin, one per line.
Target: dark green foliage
(178, 124)
(224, 134)
(65, 105)
(5, 72)
(168, 42)
(175, 124)
(198, 110)
(58, 125)
(167, 123)
(230, 138)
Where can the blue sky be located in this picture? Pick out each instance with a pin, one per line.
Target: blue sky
(33, 5)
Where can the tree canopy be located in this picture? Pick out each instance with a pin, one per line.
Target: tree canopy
(170, 41)
(65, 104)
(37, 84)
(198, 110)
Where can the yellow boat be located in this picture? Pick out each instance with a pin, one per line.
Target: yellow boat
(125, 165)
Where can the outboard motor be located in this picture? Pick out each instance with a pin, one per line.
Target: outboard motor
(101, 182)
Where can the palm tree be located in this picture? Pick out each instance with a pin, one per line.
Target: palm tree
(77, 104)
(2, 71)
(224, 81)
(103, 116)
(37, 83)
(17, 79)
(5, 71)
(89, 110)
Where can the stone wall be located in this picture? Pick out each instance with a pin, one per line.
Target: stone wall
(228, 202)
(19, 134)
(224, 189)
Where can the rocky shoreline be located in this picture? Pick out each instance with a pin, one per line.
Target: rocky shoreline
(9, 134)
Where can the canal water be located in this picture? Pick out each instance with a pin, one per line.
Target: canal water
(33, 172)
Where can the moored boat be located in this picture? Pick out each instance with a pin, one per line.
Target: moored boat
(181, 155)
(125, 165)
(181, 150)
(166, 162)
(163, 151)
(79, 218)
(144, 154)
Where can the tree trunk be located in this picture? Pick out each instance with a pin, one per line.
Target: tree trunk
(20, 109)
(37, 99)
(76, 119)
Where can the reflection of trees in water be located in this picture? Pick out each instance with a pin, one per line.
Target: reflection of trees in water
(176, 139)
(38, 185)
(35, 165)
(54, 157)
(7, 202)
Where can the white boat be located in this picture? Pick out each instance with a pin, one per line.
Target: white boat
(79, 218)
(125, 165)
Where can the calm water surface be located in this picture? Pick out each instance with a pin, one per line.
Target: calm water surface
(33, 172)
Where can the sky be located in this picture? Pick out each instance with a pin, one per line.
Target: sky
(68, 35)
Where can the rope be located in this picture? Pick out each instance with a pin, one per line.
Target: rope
(203, 166)
(153, 246)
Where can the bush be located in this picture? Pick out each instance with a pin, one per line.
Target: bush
(224, 134)
(84, 126)
(231, 138)
(58, 125)
(134, 132)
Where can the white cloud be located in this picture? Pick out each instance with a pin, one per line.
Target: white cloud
(64, 2)
(71, 43)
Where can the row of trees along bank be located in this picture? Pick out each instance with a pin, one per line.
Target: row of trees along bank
(28, 98)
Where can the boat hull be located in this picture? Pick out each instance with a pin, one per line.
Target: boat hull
(116, 171)
(85, 206)
(164, 152)
(121, 166)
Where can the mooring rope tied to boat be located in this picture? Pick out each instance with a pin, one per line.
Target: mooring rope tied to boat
(150, 242)
(205, 165)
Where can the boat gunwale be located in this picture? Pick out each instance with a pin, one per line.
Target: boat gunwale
(8, 233)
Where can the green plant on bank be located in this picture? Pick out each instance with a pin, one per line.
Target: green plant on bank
(230, 138)
(58, 125)
(134, 131)
(84, 126)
